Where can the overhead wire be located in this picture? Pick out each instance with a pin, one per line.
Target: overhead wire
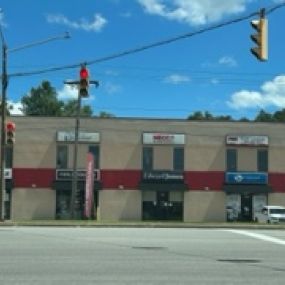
(147, 46)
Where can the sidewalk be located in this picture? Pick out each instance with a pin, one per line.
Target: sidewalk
(136, 224)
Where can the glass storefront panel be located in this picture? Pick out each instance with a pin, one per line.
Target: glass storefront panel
(162, 205)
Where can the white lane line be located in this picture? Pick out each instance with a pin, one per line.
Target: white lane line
(258, 236)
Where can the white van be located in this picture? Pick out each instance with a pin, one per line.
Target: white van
(270, 214)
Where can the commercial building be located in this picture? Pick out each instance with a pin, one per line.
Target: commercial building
(146, 169)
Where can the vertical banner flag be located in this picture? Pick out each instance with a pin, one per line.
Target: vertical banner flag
(89, 199)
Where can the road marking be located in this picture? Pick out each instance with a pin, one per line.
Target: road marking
(258, 236)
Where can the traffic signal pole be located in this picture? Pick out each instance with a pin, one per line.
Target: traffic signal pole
(83, 84)
(75, 155)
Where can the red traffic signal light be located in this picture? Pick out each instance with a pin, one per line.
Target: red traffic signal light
(84, 73)
(10, 133)
(84, 82)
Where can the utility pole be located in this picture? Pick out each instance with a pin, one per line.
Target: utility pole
(83, 85)
(5, 81)
(3, 130)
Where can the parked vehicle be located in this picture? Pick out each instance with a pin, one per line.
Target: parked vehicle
(270, 214)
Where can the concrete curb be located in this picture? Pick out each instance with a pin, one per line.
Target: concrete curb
(91, 224)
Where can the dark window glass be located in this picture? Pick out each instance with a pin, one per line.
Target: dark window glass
(231, 160)
(262, 160)
(178, 158)
(61, 156)
(94, 149)
(8, 157)
(147, 158)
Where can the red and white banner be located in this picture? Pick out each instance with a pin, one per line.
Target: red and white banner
(89, 185)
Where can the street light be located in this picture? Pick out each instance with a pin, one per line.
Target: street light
(5, 80)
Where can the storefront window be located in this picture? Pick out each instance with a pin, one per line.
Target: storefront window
(94, 149)
(262, 160)
(231, 160)
(61, 157)
(147, 158)
(178, 158)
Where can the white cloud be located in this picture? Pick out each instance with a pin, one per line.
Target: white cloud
(15, 108)
(68, 92)
(177, 79)
(194, 12)
(111, 72)
(126, 15)
(2, 20)
(112, 88)
(96, 25)
(272, 93)
(228, 61)
(215, 81)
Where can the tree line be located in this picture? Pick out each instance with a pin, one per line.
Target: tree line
(43, 101)
(262, 116)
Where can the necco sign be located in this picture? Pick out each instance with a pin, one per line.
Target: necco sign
(163, 138)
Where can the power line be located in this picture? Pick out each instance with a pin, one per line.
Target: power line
(148, 46)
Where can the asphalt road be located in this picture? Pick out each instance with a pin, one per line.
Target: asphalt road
(48, 255)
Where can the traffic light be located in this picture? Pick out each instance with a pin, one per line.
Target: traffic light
(10, 133)
(84, 82)
(261, 26)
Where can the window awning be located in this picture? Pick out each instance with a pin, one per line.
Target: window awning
(246, 188)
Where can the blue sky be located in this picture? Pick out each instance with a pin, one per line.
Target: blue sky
(214, 71)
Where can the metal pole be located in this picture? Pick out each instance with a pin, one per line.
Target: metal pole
(75, 154)
(3, 132)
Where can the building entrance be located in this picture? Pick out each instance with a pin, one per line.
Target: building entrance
(246, 208)
(162, 205)
(63, 205)
(242, 207)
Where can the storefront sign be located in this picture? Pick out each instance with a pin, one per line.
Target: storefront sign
(163, 138)
(246, 178)
(247, 140)
(82, 137)
(67, 174)
(163, 176)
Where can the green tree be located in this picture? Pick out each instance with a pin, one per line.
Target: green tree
(8, 108)
(244, 119)
(198, 115)
(279, 116)
(263, 116)
(42, 101)
(207, 116)
(70, 109)
(104, 114)
(223, 118)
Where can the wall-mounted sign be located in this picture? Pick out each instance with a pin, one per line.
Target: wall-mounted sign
(247, 140)
(163, 176)
(8, 173)
(246, 178)
(82, 137)
(67, 174)
(163, 138)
